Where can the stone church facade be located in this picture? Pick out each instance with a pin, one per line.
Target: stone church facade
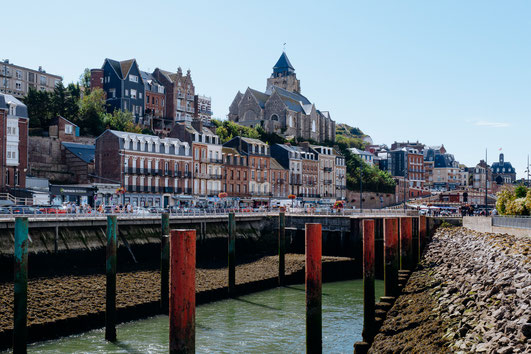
(282, 109)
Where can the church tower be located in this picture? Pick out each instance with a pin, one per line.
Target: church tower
(284, 76)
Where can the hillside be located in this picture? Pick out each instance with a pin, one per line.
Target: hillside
(350, 136)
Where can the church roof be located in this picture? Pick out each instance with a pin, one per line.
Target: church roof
(283, 63)
(283, 66)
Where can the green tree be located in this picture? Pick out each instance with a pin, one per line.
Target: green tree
(39, 108)
(84, 80)
(57, 101)
(71, 104)
(122, 121)
(92, 113)
(520, 191)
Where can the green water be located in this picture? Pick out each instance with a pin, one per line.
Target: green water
(271, 321)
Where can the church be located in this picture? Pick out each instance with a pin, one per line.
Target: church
(282, 109)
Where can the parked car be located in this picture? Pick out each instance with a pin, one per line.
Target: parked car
(25, 210)
(54, 209)
(141, 211)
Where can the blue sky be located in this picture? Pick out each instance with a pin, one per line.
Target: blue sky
(443, 72)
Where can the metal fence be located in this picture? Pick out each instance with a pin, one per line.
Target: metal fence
(519, 222)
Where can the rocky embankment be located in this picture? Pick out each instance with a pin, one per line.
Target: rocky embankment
(471, 293)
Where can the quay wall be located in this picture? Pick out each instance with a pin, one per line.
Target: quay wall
(485, 224)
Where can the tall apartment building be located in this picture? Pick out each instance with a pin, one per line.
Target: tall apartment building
(207, 156)
(180, 94)
(279, 179)
(415, 174)
(258, 159)
(236, 169)
(340, 176)
(153, 171)
(17, 80)
(290, 158)
(203, 108)
(155, 107)
(14, 123)
(123, 85)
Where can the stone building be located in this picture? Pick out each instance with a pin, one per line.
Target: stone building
(282, 108)
(14, 130)
(180, 94)
(17, 80)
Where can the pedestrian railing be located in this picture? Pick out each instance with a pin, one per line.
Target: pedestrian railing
(519, 222)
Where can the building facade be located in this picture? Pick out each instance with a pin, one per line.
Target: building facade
(236, 170)
(155, 107)
(282, 109)
(180, 94)
(153, 171)
(14, 124)
(123, 86)
(17, 80)
(203, 108)
(503, 171)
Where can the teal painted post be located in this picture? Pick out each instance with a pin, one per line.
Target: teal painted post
(21, 286)
(281, 248)
(232, 253)
(165, 262)
(110, 266)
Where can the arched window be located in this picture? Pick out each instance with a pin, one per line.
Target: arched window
(313, 126)
(290, 121)
(274, 117)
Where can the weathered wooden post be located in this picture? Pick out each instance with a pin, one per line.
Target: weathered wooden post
(422, 235)
(21, 286)
(368, 280)
(182, 295)
(391, 261)
(314, 343)
(232, 253)
(164, 262)
(406, 244)
(110, 266)
(281, 248)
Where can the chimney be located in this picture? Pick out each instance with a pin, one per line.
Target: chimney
(197, 124)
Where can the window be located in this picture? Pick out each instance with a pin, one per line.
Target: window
(43, 80)
(133, 78)
(133, 93)
(18, 74)
(68, 129)
(112, 92)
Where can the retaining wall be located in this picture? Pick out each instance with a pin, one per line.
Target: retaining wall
(484, 224)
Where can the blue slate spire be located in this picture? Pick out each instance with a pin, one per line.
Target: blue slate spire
(283, 67)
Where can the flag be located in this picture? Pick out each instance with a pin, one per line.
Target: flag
(500, 149)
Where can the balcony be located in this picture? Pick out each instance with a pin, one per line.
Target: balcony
(280, 181)
(296, 180)
(341, 187)
(212, 176)
(211, 160)
(213, 192)
(188, 191)
(180, 95)
(189, 109)
(327, 169)
(327, 182)
(168, 189)
(187, 174)
(201, 175)
(189, 97)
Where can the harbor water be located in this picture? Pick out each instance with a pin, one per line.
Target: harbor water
(271, 321)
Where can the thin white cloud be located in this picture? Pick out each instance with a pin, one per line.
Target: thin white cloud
(484, 123)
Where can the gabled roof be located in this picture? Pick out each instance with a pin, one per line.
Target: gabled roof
(121, 68)
(275, 165)
(260, 97)
(54, 121)
(126, 66)
(21, 110)
(83, 151)
(229, 150)
(292, 95)
(252, 141)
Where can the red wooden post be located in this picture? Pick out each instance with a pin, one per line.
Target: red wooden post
(422, 234)
(368, 280)
(391, 261)
(182, 291)
(406, 243)
(314, 343)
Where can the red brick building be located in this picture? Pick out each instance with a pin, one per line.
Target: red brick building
(153, 171)
(179, 91)
(236, 173)
(14, 132)
(155, 105)
(279, 180)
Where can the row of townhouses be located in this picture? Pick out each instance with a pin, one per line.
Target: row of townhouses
(192, 164)
(158, 100)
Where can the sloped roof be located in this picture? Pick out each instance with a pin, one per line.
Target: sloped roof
(292, 95)
(125, 65)
(252, 141)
(21, 110)
(275, 165)
(229, 150)
(84, 151)
(260, 97)
(283, 64)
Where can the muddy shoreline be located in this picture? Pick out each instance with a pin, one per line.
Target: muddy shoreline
(65, 305)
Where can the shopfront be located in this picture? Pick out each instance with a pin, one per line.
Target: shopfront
(78, 194)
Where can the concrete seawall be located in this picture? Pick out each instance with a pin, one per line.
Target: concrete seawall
(485, 224)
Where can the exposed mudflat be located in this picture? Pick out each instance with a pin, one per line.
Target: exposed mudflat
(55, 298)
(471, 293)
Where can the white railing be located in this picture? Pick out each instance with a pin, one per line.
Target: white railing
(519, 222)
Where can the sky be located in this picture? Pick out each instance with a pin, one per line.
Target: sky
(442, 72)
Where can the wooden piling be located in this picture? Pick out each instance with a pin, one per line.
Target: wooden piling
(406, 244)
(182, 294)
(368, 280)
(313, 244)
(21, 286)
(110, 266)
(232, 253)
(391, 259)
(164, 262)
(281, 248)
(422, 235)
